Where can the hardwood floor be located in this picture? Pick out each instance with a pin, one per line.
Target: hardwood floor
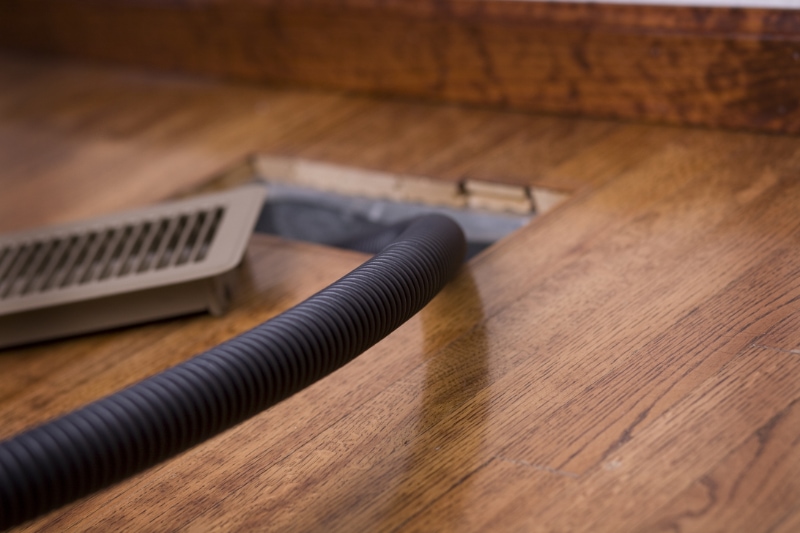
(628, 361)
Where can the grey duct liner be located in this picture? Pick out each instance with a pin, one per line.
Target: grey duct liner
(305, 214)
(115, 437)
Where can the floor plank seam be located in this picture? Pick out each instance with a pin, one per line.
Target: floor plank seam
(542, 468)
(773, 348)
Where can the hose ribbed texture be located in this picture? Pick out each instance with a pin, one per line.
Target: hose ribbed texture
(124, 433)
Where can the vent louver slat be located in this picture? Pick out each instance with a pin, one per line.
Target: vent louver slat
(60, 263)
(150, 245)
(17, 266)
(118, 249)
(169, 247)
(168, 237)
(61, 275)
(125, 258)
(199, 227)
(183, 241)
(85, 259)
(103, 256)
(16, 284)
(57, 251)
(139, 252)
(5, 257)
(35, 269)
(208, 237)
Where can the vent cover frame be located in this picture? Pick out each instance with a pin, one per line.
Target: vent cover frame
(110, 285)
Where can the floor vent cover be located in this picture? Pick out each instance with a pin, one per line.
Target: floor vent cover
(137, 266)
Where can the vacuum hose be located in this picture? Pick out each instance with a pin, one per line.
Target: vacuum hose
(127, 432)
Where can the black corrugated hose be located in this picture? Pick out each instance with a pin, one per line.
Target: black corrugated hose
(117, 436)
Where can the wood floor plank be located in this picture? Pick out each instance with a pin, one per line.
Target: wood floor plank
(610, 155)
(644, 475)
(627, 360)
(762, 472)
(139, 149)
(789, 523)
(501, 411)
(536, 149)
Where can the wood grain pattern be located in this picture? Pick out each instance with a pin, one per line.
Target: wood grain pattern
(735, 68)
(163, 133)
(628, 361)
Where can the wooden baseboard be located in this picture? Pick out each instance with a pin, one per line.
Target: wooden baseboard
(736, 68)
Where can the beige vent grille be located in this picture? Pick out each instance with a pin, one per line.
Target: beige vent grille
(142, 265)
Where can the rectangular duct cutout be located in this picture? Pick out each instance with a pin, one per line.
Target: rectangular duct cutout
(334, 204)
